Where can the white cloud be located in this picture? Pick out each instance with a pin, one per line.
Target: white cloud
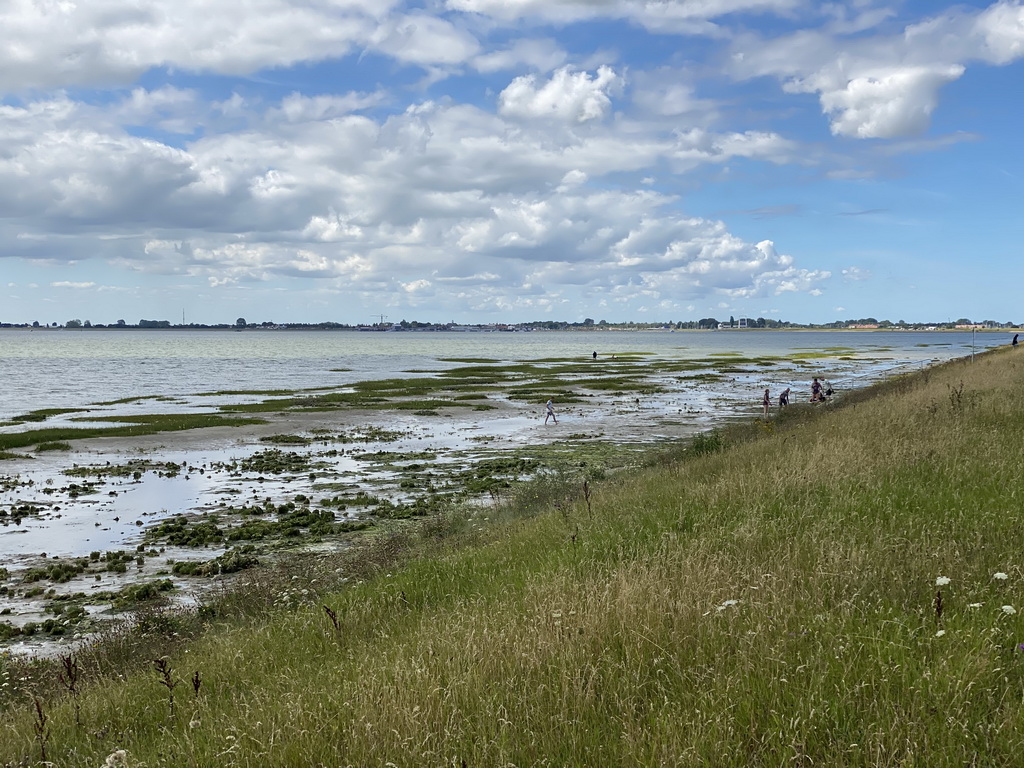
(55, 44)
(168, 108)
(423, 39)
(883, 103)
(665, 93)
(884, 86)
(442, 200)
(543, 55)
(298, 108)
(697, 146)
(1001, 29)
(855, 274)
(548, 10)
(569, 96)
(69, 284)
(657, 15)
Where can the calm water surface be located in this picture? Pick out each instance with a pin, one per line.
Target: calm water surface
(71, 369)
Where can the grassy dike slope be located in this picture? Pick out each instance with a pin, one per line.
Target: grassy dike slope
(770, 604)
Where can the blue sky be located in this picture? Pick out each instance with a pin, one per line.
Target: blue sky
(510, 160)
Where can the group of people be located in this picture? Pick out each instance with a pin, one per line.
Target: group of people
(783, 400)
(820, 392)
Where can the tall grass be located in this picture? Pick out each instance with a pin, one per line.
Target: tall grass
(772, 601)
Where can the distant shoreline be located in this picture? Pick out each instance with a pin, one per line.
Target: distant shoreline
(494, 329)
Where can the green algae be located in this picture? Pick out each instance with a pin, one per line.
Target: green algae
(43, 414)
(129, 426)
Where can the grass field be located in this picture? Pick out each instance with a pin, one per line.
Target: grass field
(834, 587)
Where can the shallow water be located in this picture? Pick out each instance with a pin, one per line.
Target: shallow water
(74, 369)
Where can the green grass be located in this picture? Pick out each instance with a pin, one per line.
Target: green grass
(764, 597)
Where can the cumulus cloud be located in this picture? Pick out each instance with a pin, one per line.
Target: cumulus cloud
(514, 208)
(881, 103)
(569, 96)
(885, 86)
(1000, 29)
(433, 200)
(101, 42)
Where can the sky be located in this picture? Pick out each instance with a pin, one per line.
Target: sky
(484, 161)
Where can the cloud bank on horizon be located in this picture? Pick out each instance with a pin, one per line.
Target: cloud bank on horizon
(507, 160)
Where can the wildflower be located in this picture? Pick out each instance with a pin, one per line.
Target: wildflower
(120, 757)
(1000, 575)
(940, 633)
(974, 605)
(1009, 610)
(942, 581)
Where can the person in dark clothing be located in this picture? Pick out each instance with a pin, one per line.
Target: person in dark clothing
(816, 391)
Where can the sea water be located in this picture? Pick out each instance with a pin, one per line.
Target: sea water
(53, 369)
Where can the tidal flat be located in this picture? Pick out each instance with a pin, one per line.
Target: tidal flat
(104, 513)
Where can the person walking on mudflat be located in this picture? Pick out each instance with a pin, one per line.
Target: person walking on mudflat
(551, 412)
(766, 402)
(784, 398)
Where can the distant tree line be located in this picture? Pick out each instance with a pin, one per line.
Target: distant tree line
(704, 323)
